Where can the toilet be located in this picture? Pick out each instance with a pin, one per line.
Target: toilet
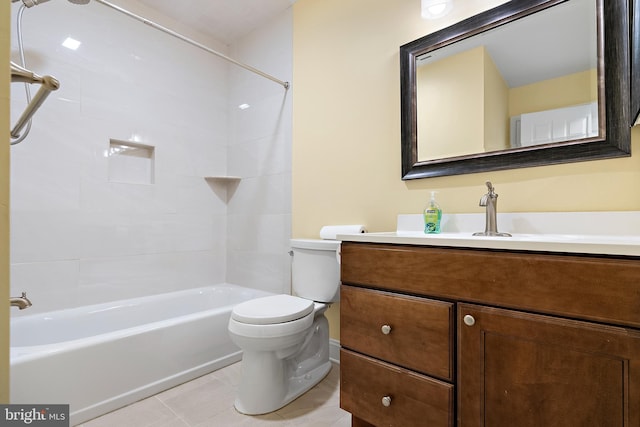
(285, 338)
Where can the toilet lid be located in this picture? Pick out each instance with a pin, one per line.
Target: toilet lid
(272, 309)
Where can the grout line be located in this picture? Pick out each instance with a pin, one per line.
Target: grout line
(171, 409)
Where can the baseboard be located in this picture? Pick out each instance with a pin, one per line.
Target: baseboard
(334, 350)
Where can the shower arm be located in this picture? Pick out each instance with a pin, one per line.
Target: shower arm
(48, 85)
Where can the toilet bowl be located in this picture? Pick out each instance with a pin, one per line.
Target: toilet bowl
(285, 338)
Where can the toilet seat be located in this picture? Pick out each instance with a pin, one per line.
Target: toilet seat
(272, 310)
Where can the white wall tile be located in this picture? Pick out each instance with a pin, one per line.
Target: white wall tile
(43, 236)
(260, 152)
(194, 195)
(49, 285)
(267, 272)
(115, 197)
(259, 233)
(76, 237)
(106, 279)
(266, 195)
(263, 156)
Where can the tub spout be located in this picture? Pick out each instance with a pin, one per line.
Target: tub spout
(21, 302)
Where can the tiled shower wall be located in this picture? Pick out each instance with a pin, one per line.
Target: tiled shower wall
(85, 228)
(259, 215)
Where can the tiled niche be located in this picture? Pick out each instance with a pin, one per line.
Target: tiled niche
(131, 162)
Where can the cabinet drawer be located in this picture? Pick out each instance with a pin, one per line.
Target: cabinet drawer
(420, 335)
(415, 400)
(603, 289)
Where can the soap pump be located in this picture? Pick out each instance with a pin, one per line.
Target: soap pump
(432, 216)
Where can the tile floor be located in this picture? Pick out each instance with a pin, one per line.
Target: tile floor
(208, 402)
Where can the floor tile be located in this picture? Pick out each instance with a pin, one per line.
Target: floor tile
(208, 402)
(147, 412)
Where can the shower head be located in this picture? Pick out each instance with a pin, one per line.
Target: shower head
(31, 3)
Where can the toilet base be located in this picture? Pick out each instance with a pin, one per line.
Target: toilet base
(256, 402)
(275, 371)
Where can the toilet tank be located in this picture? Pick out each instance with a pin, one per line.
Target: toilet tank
(315, 269)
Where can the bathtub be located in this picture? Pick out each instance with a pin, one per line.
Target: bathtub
(101, 357)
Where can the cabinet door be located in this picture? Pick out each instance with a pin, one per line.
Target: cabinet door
(520, 369)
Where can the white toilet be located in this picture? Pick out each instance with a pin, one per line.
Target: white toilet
(285, 338)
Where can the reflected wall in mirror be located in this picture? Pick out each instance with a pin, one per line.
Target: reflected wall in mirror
(511, 86)
(527, 83)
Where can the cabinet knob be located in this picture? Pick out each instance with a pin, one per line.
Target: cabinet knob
(386, 329)
(469, 320)
(386, 401)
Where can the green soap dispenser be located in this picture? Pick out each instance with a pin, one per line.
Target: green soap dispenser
(432, 216)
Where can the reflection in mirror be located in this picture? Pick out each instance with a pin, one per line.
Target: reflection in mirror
(513, 86)
(527, 83)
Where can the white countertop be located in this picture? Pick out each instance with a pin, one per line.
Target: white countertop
(603, 233)
(604, 245)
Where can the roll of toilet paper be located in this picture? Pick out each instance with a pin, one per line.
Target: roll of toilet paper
(329, 232)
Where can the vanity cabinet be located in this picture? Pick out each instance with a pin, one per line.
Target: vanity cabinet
(436, 336)
(525, 369)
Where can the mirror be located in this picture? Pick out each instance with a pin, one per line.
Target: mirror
(528, 83)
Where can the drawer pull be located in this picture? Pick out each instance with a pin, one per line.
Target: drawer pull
(469, 320)
(386, 401)
(386, 329)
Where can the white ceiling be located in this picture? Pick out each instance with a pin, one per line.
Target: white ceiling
(518, 54)
(224, 20)
(555, 42)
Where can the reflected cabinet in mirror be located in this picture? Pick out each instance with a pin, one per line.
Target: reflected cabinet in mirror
(528, 83)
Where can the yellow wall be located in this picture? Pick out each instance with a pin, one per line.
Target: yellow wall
(450, 96)
(496, 107)
(5, 43)
(572, 89)
(346, 130)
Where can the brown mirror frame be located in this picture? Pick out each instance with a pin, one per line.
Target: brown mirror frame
(614, 95)
(635, 63)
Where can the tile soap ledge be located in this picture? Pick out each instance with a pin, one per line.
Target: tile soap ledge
(223, 178)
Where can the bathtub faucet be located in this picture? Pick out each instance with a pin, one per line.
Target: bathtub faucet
(21, 302)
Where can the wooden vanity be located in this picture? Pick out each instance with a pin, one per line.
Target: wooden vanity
(442, 336)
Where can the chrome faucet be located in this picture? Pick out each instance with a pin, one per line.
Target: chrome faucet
(21, 302)
(490, 200)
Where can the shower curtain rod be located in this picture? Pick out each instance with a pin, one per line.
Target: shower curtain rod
(193, 42)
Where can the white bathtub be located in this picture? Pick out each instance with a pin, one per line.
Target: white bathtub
(101, 357)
